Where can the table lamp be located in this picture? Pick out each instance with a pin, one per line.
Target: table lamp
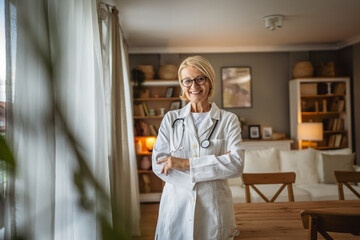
(150, 141)
(310, 131)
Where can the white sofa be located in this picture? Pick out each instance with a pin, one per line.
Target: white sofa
(314, 173)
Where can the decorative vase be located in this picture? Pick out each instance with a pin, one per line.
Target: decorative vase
(168, 72)
(145, 163)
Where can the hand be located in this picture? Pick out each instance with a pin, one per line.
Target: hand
(174, 163)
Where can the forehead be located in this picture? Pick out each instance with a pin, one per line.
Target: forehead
(190, 72)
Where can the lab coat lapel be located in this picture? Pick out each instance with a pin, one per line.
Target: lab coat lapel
(188, 121)
(209, 122)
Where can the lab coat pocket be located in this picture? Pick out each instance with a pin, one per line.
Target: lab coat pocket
(216, 148)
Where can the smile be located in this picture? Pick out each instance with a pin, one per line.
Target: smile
(198, 92)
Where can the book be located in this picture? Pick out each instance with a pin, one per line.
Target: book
(337, 142)
(341, 105)
(145, 109)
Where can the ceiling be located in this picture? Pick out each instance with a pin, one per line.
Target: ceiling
(170, 26)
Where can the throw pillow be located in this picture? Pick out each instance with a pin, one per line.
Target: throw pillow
(336, 162)
(319, 160)
(261, 161)
(302, 162)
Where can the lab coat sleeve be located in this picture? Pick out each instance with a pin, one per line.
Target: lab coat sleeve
(211, 167)
(161, 150)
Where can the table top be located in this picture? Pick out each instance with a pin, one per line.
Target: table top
(282, 220)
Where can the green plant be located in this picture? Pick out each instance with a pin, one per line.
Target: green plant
(138, 77)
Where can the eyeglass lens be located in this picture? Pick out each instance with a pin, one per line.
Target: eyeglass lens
(198, 80)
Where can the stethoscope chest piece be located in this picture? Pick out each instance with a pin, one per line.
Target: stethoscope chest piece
(205, 143)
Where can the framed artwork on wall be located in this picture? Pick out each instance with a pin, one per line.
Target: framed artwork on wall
(254, 132)
(267, 132)
(236, 87)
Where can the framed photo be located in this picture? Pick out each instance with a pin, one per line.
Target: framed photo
(236, 87)
(254, 132)
(267, 132)
(175, 105)
(169, 92)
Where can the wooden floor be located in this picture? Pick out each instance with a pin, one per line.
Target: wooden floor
(250, 220)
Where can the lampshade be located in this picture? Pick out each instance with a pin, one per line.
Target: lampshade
(312, 131)
(150, 141)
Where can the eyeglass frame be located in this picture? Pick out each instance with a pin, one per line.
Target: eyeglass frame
(194, 80)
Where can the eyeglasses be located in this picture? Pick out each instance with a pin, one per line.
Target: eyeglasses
(189, 82)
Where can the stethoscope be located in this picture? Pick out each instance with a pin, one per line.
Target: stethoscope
(204, 143)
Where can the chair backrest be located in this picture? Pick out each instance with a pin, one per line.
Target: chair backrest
(323, 222)
(284, 178)
(344, 178)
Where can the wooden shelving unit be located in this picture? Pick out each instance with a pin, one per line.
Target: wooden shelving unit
(325, 100)
(150, 185)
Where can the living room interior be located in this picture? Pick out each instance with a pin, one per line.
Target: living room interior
(230, 34)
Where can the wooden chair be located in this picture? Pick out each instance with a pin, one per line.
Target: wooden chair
(323, 222)
(344, 178)
(286, 178)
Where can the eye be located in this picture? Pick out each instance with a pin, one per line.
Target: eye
(187, 82)
(200, 79)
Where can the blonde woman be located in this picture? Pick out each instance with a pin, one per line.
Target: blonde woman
(197, 149)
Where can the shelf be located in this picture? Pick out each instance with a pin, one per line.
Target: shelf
(331, 132)
(145, 171)
(321, 113)
(324, 96)
(153, 99)
(144, 153)
(150, 197)
(154, 83)
(148, 117)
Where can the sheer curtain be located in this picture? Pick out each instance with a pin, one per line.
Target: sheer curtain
(124, 182)
(59, 41)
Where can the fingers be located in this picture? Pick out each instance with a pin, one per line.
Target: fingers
(162, 160)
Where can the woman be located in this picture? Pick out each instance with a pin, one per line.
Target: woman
(198, 147)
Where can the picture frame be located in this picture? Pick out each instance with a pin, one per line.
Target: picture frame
(175, 105)
(236, 87)
(254, 132)
(267, 132)
(169, 92)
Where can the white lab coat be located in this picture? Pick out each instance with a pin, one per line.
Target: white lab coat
(197, 203)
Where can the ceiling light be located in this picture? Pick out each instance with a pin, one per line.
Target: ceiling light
(273, 21)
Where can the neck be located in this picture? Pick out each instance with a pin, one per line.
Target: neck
(200, 107)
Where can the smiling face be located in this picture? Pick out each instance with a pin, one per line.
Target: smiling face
(195, 94)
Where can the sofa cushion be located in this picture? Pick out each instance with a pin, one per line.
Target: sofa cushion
(302, 162)
(258, 161)
(261, 161)
(269, 191)
(339, 162)
(319, 161)
(322, 192)
(238, 194)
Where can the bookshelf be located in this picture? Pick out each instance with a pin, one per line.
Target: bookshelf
(325, 100)
(157, 97)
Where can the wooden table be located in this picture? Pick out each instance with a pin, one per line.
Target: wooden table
(281, 220)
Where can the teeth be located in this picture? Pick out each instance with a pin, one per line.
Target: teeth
(195, 92)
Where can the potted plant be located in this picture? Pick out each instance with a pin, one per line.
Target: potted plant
(138, 77)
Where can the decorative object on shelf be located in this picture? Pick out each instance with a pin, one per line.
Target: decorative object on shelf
(278, 136)
(168, 71)
(145, 93)
(236, 87)
(310, 131)
(148, 71)
(243, 127)
(149, 142)
(145, 163)
(254, 132)
(162, 111)
(169, 92)
(146, 180)
(303, 69)
(151, 112)
(273, 21)
(326, 69)
(175, 105)
(308, 89)
(267, 132)
(138, 77)
(138, 146)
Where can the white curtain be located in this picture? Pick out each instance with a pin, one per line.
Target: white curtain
(124, 181)
(47, 201)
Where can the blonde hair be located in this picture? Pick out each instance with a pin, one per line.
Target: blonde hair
(204, 66)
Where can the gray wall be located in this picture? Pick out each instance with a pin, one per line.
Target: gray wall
(270, 75)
